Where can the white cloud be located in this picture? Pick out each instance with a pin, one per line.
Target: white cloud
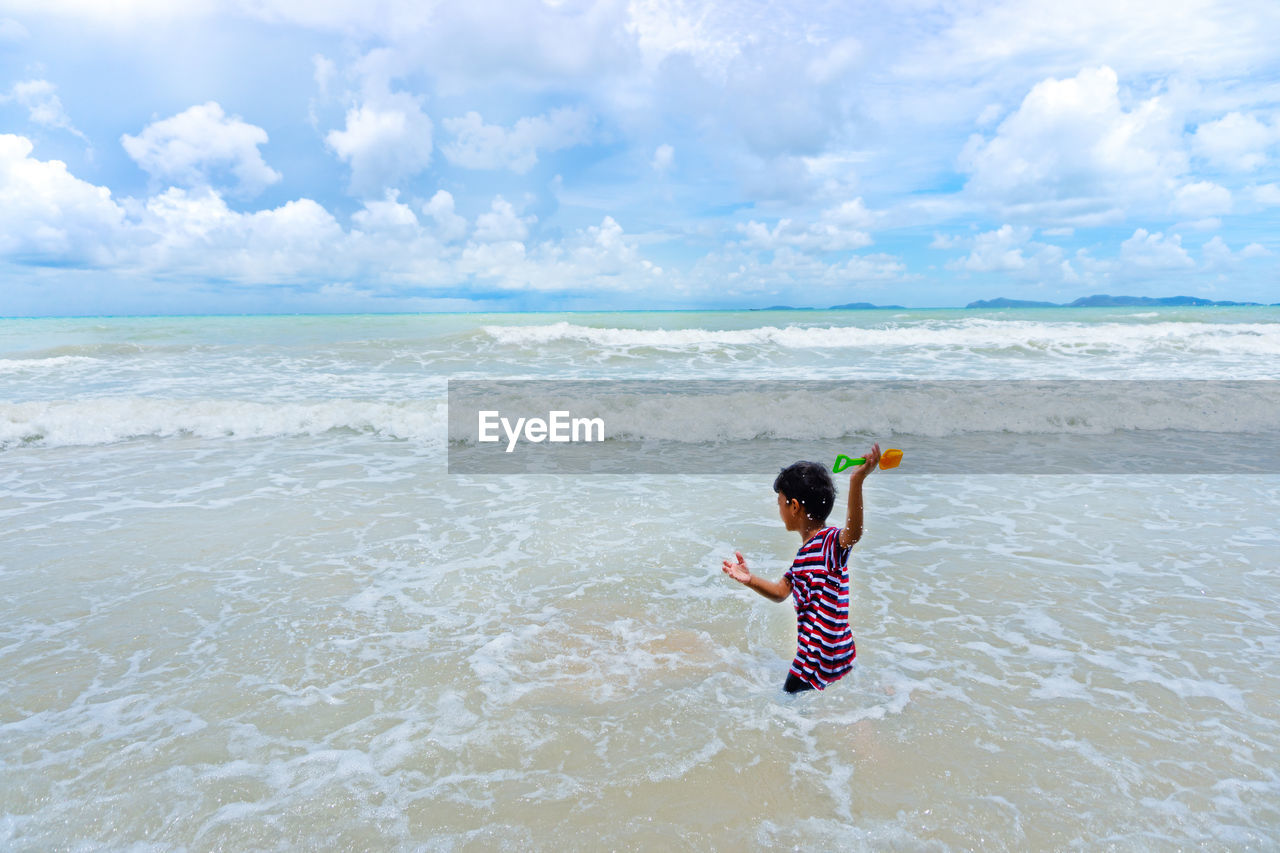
(1236, 141)
(799, 277)
(1010, 249)
(662, 28)
(505, 262)
(1058, 147)
(836, 61)
(386, 140)
(989, 114)
(44, 107)
(323, 70)
(1202, 199)
(838, 229)
(1154, 251)
(11, 30)
(1208, 223)
(477, 145)
(193, 232)
(502, 224)
(877, 267)
(479, 41)
(605, 250)
(850, 214)
(1217, 254)
(119, 14)
(1267, 195)
(664, 157)
(1095, 270)
(202, 146)
(593, 258)
(833, 174)
(1074, 141)
(819, 236)
(758, 85)
(49, 216)
(997, 250)
(449, 225)
(388, 215)
(1141, 38)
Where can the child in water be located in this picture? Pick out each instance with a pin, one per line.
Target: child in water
(818, 579)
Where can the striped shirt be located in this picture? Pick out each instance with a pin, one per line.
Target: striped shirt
(820, 586)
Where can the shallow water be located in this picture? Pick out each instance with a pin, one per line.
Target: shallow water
(229, 622)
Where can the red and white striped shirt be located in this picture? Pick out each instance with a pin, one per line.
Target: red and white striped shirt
(820, 586)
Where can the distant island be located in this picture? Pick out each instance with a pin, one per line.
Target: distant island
(848, 306)
(1002, 302)
(1102, 300)
(1099, 300)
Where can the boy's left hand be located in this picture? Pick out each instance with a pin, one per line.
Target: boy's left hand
(872, 460)
(738, 571)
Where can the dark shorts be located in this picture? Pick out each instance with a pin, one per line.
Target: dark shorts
(795, 685)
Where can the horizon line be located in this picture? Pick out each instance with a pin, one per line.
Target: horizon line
(768, 309)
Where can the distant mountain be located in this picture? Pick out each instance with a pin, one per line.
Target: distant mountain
(1099, 300)
(1002, 302)
(1102, 300)
(852, 306)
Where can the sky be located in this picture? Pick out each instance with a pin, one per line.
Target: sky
(405, 155)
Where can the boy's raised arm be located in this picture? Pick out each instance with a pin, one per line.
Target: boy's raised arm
(772, 590)
(852, 530)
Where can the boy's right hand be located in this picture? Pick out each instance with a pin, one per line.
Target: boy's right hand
(872, 461)
(738, 571)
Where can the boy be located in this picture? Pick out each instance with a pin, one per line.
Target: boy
(819, 577)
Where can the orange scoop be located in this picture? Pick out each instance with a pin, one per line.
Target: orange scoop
(891, 458)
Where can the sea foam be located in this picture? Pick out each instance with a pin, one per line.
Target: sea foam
(108, 420)
(974, 334)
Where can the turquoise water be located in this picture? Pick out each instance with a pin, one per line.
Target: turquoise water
(244, 605)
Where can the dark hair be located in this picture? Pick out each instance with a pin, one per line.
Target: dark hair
(809, 483)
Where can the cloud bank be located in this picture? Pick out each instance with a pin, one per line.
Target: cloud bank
(646, 152)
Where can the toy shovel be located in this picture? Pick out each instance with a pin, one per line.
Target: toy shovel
(891, 458)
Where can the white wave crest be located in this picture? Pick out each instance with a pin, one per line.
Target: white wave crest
(108, 420)
(16, 365)
(973, 334)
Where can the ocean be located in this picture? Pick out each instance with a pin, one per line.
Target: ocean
(252, 599)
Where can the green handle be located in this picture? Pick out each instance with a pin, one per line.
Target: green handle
(843, 462)
(890, 459)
